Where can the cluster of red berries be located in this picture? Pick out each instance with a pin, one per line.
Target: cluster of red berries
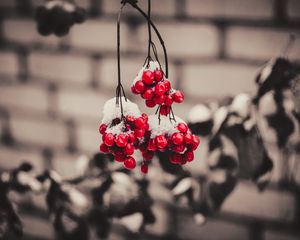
(122, 137)
(180, 143)
(156, 90)
(57, 17)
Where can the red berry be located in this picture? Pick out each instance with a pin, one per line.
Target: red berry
(177, 138)
(148, 77)
(188, 138)
(146, 127)
(139, 86)
(119, 156)
(159, 99)
(147, 155)
(151, 145)
(175, 158)
(158, 75)
(133, 90)
(121, 140)
(148, 94)
(104, 148)
(130, 118)
(182, 127)
(109, 139)
(144, 168)
(150, 103)
(178, 97)
(129, 149)
(196, 142)
(160, 89)
(145, 116)
(131, 137)
(161, 141)
(102, 128)
(129, 163)
(179, 148)
(169, 100)
(167, 85)
(164, 110)
(139, 122)
(189, 156)
(139, 133)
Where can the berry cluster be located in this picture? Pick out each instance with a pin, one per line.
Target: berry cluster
(174, 138)
(57, 17)
(122, 135)
(151, 84)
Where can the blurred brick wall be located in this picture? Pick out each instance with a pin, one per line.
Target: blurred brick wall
(52, 90)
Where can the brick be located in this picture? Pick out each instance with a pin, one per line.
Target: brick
(268, 235)
(129, 69)
(163, 8)
(186, 40)
(212, 230)
(293, 9)
(270, 204)
(11, 158)
(262, 43)
(37, 227)
(24, 31)
(241, 9)
(24, 98)
(41, 133)
(98, 35)
(89, 138)
(9, 64)
(81, 104)
(61, 67)
(218, 79)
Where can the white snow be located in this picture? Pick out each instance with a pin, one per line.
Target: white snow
(164, 127)
(199, 113)
(241, 105)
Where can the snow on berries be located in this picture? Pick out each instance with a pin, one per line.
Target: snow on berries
(58, 16)
(175, 138)
(121, 135)
(152, 85)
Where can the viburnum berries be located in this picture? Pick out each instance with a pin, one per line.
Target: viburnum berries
(155, 89)
(58, 16)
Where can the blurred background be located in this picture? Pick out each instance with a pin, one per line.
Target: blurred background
(52, 91)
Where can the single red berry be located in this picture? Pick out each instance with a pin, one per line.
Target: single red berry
(148, 77)
(188, 138)
(131, 137)
(169, 100)
(133, 90)
(189, 156)
(104, 148)
(139, 122)
(148, 155)
(148, 94)
(161, 141)
(145, 116)
(119, 156)
(179, 148)
(178, 97)
(175, 158)
(144, 168)
(146, 126)
(196, 142)
(160, 89)
(182, 127)
(102, 128)
(139, 86)
(109, 139)
(139, 133)
(150, 103)
(121, 140)
(159, 99)
(129, 149)
(152, 145)
(167, 85)
(177, 138)
(158, 75)
(129, 163)
(164, 110)
(183, 160)
(130, 118)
